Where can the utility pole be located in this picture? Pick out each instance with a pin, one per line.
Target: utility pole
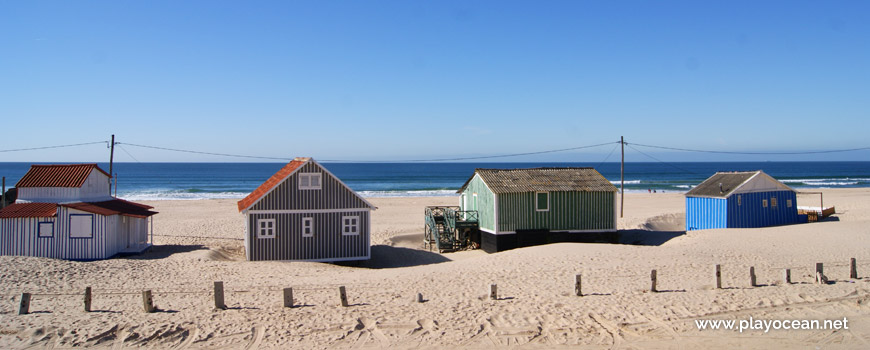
(111, 161)
(622, 177)
(3, 195)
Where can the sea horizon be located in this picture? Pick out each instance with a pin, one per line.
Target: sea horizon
(212, 180)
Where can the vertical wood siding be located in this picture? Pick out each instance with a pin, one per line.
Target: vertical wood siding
(19, 236)
(485, 203)
(327, 242)
(568, 211)
(95, 187)
(288, 196)
(751, 212)
(709, 213)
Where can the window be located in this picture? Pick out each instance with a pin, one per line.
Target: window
(307, 227)
(773, 202)
(764, 203)
(350, 225)
(542, 201)
(266, 228)
(81, 226)
(46, 229)
(739, 200)
(309, 181)
(788, 203)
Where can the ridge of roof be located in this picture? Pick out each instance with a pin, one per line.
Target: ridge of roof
(271, 182)
(58, 175)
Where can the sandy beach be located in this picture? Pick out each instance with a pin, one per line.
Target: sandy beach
(199, 242)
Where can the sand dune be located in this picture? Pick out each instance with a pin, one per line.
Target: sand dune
(199, 243)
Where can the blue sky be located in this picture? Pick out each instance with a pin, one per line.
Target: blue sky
(391, 80)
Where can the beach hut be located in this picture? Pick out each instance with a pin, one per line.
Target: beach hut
(740, 200)
(305, 213)
(66, 212)
(524, 207)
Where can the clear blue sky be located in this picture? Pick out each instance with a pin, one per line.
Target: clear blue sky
(387, 80)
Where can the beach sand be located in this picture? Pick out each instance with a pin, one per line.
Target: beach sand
(199, 242)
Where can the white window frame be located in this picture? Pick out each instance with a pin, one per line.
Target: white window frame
(764, 203)
(773, 202)
(308, 227)
(788, 203)
(537, 207)
(77, 230)
(45, 229)
(266, 232)
(350, 229)
(310, 181)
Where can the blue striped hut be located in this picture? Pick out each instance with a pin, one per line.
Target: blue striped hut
(740, 200)
(305, 213)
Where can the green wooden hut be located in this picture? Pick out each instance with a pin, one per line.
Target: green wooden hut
(525, 207)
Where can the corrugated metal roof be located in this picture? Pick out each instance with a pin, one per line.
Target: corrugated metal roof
(543, 179)
(29, 210)
(721, 184)
(113, 207)
(58, 175)
(273, 181)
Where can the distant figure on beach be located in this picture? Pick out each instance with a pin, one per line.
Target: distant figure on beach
(649, 190)
(654, 191)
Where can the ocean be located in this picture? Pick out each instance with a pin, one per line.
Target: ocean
(191, 181)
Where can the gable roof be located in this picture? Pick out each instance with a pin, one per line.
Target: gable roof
(29, 210)
(542, 179)
(280, 176)
(58, 175)
(113, 207)
(725, 184)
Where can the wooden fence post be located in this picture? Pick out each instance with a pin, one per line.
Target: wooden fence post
(219, 296)
(820, 274)
(786, 276)
(653, 277)
(288, 297)
(718, 276)
(342, 294)
(493, 291)
(147, 301)
(752, 280)
(577, 286)
(853, 269)
(419, 297)
(87, 299)
(24, 304)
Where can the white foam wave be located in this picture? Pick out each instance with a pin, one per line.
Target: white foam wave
(827, 182)
(683, 186)
(179, 195)
(420, 193)
(627, 182)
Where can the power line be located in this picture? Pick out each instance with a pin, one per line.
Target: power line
(608, 156)
(661, 161)
(128, 153)
(750, 153)
(206, 153)
(48, 147)
(370, 161)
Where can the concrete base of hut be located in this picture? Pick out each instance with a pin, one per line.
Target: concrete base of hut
(492, 243)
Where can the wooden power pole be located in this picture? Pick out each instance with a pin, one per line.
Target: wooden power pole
(622, 177)
(111, 161)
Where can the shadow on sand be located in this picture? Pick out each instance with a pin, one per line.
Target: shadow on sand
(163, 251)
(647, 237)
(386, 257)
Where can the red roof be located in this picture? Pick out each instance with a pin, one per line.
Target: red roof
(29, 210)
(58, 175)
(273, 181)
(113, 207)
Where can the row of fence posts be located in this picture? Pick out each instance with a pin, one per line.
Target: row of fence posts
(219, 303)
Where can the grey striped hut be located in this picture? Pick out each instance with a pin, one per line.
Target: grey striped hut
(305, 213)
(525, 207)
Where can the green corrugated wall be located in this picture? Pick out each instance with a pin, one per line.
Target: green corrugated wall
(568, 211)
(484, 202)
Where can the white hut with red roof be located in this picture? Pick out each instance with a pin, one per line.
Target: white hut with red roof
(305, 213)
(66, 212)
